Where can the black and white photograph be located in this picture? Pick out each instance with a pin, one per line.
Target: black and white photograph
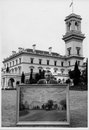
(44, 63)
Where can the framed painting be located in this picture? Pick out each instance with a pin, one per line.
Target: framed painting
(42, 105)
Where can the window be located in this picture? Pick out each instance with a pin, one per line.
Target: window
(40, 61)
(55, 63)
(78, 62)
(69, 26)
(13, 62)
(7, 64)
(39, 71)
(69, 63)
(78, 50)
(31, 60)
(19, 60)
(62, 63)
(15, 70)
(76, 26)
(19, 67)
(69, 51)
(55, 69)
(10, 64)
(16, 61)
(47, 62)
(62, 70)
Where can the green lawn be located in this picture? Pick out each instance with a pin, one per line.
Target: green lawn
(78, 108)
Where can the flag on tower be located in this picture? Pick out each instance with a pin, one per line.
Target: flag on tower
(71, 4)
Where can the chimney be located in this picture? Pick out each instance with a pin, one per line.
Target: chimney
(20, 49)
(13, 52)
(50, 50)
(34, 47)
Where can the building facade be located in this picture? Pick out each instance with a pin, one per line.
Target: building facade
(28, 60)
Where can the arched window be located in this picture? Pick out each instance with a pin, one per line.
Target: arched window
(69, 26)
(76, 26)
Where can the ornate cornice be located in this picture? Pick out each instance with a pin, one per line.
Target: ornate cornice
(73, 35)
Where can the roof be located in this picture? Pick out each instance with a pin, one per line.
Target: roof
(43, 52)
(37, 52)
(73, 16)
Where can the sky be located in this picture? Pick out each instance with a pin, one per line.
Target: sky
(40, 22)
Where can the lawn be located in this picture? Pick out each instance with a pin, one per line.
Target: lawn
(44, 115)
(78, 108)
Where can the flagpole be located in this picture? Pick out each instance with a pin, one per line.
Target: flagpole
(72, 7)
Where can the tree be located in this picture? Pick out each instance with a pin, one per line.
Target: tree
(43, 106)
(85, 73)
(37, 77)
(63, 103)
(7, 69)
(84, 76)
(50, 104)
(71, 74)
(23, 78)
(41, 74)
(31, 80)
(68, 81)
(75, 74)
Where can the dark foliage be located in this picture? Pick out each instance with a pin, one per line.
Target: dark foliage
(23, 113)
(79, 87)
(85, 74)
(31, 80)
(71, 74)
(63, 103)
(68, 81)
(10, 89)
(23, 78)
(7, 70)
(49, 104)
(43, 106)
(39, 76)
(75, 74)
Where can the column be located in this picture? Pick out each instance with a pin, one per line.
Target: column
(6, 83)
(73, 25)
(79, 26)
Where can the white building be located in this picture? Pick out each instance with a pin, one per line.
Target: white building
(27, 60)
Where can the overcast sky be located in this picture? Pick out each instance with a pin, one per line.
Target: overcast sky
(40, 22)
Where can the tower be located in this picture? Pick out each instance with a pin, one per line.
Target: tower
(73, 39)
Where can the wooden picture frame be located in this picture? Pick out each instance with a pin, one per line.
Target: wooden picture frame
(42, 105)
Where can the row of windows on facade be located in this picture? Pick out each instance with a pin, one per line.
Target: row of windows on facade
(18, 70)
(13, 63)
(48, 62)
(77, 48)
(40, 62)
(31, 61)
(55, 62)
(15, 70)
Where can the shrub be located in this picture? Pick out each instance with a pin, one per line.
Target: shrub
(63, 103)
(10, 88)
